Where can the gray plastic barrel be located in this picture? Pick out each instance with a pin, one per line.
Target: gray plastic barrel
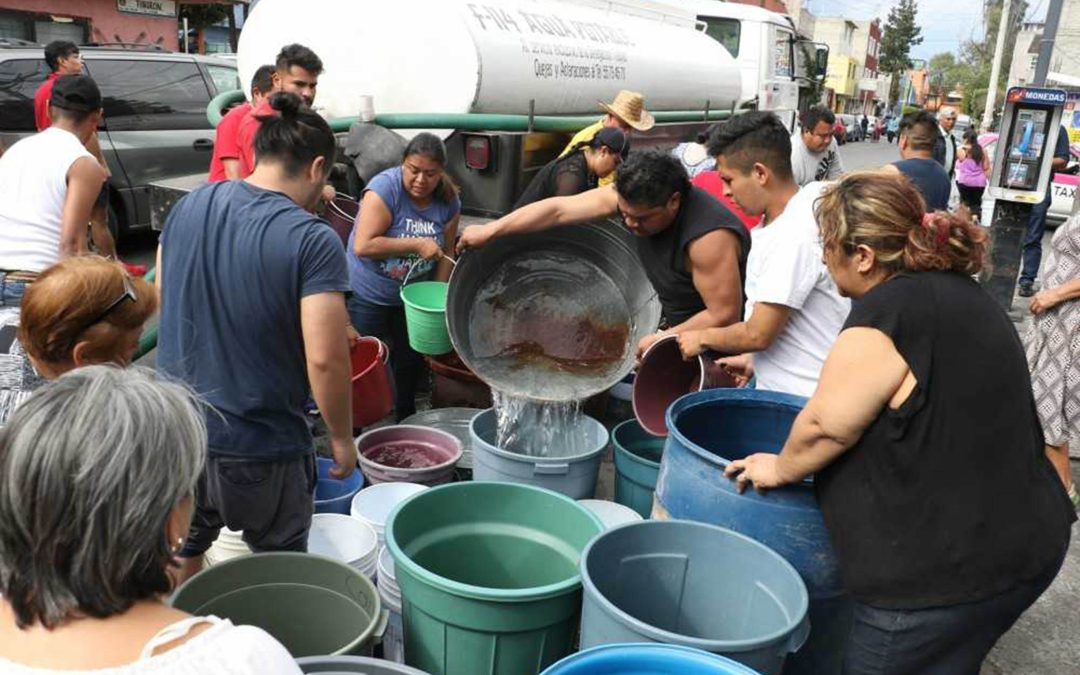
(573, 476)
(695, 585)
(353, 665)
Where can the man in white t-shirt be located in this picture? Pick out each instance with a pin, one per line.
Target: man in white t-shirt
(48, 186)
(793, 309)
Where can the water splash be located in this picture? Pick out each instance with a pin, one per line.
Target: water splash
(538, 428)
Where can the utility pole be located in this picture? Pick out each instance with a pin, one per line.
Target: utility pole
(995, 69)
(1046, 44)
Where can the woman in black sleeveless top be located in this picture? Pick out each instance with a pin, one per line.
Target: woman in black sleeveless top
(946, 517)
(580, 169)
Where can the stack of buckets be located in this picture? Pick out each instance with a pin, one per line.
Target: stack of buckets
(347, 540)
(393, 643)
(373, 505)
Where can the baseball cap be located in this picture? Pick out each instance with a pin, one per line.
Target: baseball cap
(615, 140)
(76, 92)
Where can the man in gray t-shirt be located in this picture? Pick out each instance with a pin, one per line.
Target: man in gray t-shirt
(814, 153)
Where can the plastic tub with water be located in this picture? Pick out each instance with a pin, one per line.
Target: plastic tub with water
(574, 475)
(406, 453)
(489, 576)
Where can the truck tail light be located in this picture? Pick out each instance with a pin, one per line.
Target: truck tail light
(478, 152)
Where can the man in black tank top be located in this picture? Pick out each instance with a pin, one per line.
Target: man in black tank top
(692, 247)
(918, 132)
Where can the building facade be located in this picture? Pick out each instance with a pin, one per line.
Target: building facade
(1025, 54)
(98, 21)
(846, 62)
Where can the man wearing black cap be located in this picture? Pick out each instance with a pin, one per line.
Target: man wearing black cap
(48, 185)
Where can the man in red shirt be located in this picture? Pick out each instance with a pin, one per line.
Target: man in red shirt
(296, 70)
(225, 162)
(62, 58)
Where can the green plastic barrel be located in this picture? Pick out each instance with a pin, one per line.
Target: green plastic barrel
(311, 604)
(488, 577)
(425, 317)
(637, 465)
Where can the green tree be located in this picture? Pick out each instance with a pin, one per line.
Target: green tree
(201, 17)
(900, 34)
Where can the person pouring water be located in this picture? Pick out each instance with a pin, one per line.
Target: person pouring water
(693, 249)
(404, 232)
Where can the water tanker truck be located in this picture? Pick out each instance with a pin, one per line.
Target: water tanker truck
(507, 82)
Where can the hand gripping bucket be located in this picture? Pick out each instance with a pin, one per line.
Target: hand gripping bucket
(372, 396)
(425, 315)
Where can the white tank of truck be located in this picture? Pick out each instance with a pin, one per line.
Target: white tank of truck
(494, 56)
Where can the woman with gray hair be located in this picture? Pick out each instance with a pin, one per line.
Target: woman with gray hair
(98, 470)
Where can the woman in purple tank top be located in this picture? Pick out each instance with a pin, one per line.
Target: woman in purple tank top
(972, 169)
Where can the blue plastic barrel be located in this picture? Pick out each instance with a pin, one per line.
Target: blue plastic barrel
(637, 464)
(646, 659)
(711, 428)
(333, 495)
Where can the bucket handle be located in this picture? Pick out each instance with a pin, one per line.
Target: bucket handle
(799, 636)
(380, 626)
(552, 469)
(415, 262)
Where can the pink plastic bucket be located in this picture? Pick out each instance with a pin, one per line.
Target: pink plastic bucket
(664, 376)
(407, 453)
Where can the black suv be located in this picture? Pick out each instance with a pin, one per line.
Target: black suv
(155, 123)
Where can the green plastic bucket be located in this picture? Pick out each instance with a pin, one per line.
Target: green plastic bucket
(637, 465)
(488, 576)
(425, 316)
(313, 605)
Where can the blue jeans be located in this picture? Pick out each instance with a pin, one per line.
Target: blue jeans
(940, 640)
(387, 322)
(11, 291)
(1032, 252)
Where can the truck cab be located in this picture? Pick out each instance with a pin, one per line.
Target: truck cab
(779, 68)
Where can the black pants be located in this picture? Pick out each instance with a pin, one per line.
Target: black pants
(971, 197)
(270, 502)
(938, 641)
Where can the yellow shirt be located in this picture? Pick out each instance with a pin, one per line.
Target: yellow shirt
(584, 136)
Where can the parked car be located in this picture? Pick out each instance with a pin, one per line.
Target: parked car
(1062, 189)
(854, 131)
(155, 124)
(840, 130)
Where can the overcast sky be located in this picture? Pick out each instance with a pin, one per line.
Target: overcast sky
(945, 23)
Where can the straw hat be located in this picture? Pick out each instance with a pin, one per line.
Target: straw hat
(629, 106)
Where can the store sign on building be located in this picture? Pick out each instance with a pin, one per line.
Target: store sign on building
(151, 7)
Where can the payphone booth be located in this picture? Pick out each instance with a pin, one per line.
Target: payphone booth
(1020, 178)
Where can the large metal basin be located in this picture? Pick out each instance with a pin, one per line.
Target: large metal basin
(553, 315)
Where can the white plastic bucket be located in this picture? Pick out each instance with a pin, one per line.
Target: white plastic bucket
(229, 544)
(393, 642)
(373, 504)
(346, 539)
(611, 514)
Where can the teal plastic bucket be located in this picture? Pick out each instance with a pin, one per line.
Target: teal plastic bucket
(693, 585)
(312, 605)
(647, 659)
(489, 578)
(425, 317)
(637, 465)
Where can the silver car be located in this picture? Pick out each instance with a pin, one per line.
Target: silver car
(155, 124)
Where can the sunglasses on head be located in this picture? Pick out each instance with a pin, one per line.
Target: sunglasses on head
(128, 294)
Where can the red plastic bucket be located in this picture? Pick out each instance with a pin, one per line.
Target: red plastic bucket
(341, 214)
(372, 395)
(664, 376)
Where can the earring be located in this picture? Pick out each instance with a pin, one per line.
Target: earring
(178, 547)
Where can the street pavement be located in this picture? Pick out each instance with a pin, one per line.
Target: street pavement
(1045, 640)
